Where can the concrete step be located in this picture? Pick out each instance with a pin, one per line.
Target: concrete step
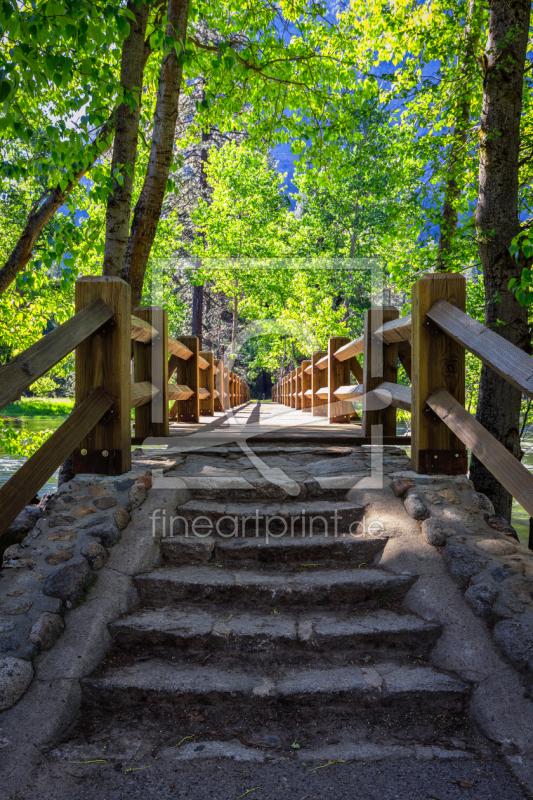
(182, 550)
(158, 681)
(169, 585)
(220, 630)
(254, 518)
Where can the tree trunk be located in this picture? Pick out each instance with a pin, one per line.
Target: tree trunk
(234, 326)
(197, 312)
(125, 145)
(150, 202)
(497, 223)
(457, 155)
(198, 291)
(38, 219)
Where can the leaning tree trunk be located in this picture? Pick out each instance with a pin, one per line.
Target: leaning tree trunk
(41, 216)
(497, 223)
(125, 145)
(150, 202)
(457, 154)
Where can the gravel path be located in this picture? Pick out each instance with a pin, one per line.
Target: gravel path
(221, 780)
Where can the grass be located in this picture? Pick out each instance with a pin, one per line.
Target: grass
(39, 407)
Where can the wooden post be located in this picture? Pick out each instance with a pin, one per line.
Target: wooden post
(207, 380)
(219, 384)
(187, 374)
(231, 390)
(104, 360)
(380, 363)
(293, 389)
(227, 397)
(150, 363)
(338, 375)
(298, 382)
(437, 362)
(319, 380)
(306, 385)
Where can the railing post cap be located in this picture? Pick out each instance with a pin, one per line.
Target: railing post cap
(440, 276)
(102, 279)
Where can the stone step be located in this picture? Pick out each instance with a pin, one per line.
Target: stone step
(233, 489)
(254, 518)
(182, 550)
(219, 630)
(169, 585)
(159, 681)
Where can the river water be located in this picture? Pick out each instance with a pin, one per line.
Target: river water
(10, 464)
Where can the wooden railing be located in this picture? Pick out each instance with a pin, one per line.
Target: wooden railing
(430, 343)
(107, 337)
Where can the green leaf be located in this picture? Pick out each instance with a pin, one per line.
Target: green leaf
(5, 88)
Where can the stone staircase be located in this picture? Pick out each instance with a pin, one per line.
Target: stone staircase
(275, 642)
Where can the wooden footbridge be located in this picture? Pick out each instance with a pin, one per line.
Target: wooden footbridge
(126, 361)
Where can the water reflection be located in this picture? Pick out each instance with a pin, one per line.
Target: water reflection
(10, 464)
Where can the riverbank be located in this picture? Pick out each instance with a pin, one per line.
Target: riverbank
(39, 407)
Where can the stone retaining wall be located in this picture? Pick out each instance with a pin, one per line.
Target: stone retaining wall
(50, 572)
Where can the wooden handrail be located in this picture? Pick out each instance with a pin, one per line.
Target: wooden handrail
(349, 392)
(178, 349)
(37, 360)
(498, 460)
(142, 392)
(396, 330)
(496, 352)
(178, 392)
(354, 348)
(142, 331)
(397, 395)
(31, 476)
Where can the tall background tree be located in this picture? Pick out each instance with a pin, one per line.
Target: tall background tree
(498, 223)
